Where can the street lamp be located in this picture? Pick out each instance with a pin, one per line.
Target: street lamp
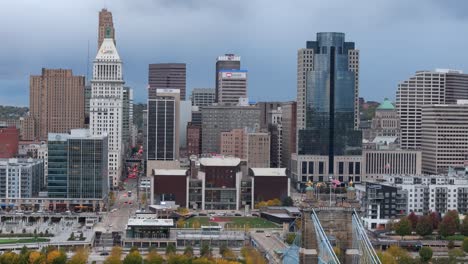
(330, 178)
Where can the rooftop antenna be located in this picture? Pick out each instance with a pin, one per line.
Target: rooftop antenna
(87, 64)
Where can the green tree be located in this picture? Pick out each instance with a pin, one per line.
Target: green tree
(403, 227)
(24, 255)
(287, 201)
(425, 253)
(455, 254)
(464, 226)
(171, 249)
(465, 244)
(188, 251)
(451, 244)
(133, 257)
(154, 258)
(424, 226)
(205, 250)
(290, 238)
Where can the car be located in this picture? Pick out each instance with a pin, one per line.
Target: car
(104, 254)
(267, 234)
(237, 214)
(114, 210)
(125, 202)
(129, 202)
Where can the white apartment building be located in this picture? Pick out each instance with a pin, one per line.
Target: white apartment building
(106, 104)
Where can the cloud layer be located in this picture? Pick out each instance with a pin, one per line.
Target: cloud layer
(396, 38)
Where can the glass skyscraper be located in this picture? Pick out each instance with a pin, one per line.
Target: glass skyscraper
(329, 125)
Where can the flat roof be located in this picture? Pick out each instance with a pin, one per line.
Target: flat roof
(170, 172)
(220, 161)
(279, 215)
(269, 171)
(150, 222)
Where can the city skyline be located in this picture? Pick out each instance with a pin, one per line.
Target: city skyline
(379, 32)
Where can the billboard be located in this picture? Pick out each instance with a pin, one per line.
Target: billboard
(233, 75)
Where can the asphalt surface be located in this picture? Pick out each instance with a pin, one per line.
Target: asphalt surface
(269, 244)
(123, 208)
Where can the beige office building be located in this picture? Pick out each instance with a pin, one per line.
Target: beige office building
(377, 163)
(444, 134)
(56, 102)
(253, 147)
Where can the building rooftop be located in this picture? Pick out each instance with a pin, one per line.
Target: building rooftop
(220, 161)
(170, 172)
(268, 172)
(385, 139)
(143, 221)
(386, 105)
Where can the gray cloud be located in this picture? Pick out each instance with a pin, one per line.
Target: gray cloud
(396, 38)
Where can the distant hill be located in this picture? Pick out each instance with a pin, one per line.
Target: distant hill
(12, 112)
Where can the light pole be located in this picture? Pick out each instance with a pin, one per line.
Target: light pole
(330, 178)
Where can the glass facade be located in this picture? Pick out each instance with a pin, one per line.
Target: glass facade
(161, 128)
(330, 101)
(57, 168)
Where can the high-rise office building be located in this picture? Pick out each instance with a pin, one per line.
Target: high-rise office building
(216, 119)
(167, 76)
(226, 62)
(127, 117)
(106, 104)
(328, 127)
(105, 27)
(56, 102)
(203, 96)
(163, 125)
(77, 166)
(426, 88)
(288, 127)
(444, 130)
(87, 101)
(232, 86)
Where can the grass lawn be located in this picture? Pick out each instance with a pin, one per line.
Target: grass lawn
(22, 240)
(236, 222)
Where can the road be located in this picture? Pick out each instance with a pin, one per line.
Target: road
(269, 244)
(123, 208)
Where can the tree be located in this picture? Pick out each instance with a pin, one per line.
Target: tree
(287, 201)
(386, 258)
(36, 257)
(252, 256)
(413, 218)
(448, 226)
(188, 251)
(154, 258)
(465, 244)
(274, 202)
(290, 238)
(435, 220)
(111, 198)
(72, 236)
(464, 226)
(180, 223)
(183, 210)
(178, 259)
(80, 257)
(425, 253)
(454, 254)
(424, 226)
(56, 257)
(261, 204)
(202, 261)
(454, 214)
(451, 244)
(403, 227)
(196, 224)
(205, 250)
(9, 257)
(114, 257)
(133, 257)
(171, 249)
(226, 252)
(143, 198)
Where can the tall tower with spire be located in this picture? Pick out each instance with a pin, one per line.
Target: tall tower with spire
(106, 104)
(106, 27)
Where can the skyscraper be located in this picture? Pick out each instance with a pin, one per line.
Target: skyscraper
(106, 27)
(426, 88)
(167, 76)
(106, 104)
(163, 125)
(203, 96)
(56, 102)
(127, 117)
(232, 86)
(327, 105)
(226, 62)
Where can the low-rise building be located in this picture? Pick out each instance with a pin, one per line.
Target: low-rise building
(21, 178)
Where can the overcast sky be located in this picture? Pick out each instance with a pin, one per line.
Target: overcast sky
(395, 37)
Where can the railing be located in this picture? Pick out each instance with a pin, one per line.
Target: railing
(367, 254)
(325, 250)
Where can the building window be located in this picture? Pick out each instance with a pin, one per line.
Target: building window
(320, 178)
(304, 167)
(350, 168)
(340, 167)
(358, 168)
(321, 167)
(311, 167)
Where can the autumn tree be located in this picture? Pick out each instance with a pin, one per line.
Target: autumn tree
(454, 214)
(413, 218)
(56, 257)
(196, 224)
(36, 257)
(435, 219)
(424, 226)
(448, 225)
(80, 257)
(180, 223)
(133, 257)
(154, 258)
(114, 257)
(464, 226)
(178, 259)
(9, 257)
